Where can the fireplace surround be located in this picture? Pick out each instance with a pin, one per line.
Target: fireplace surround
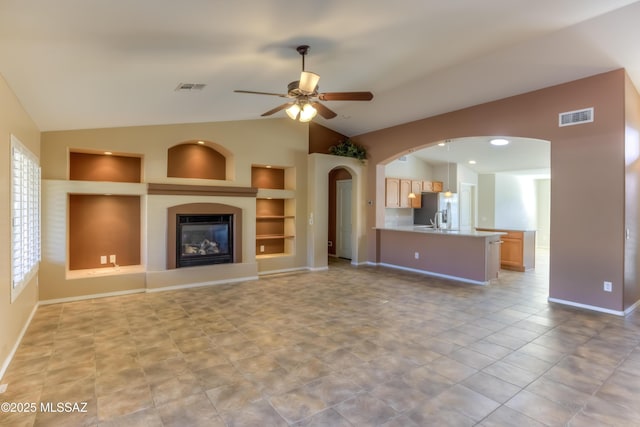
(196, 234)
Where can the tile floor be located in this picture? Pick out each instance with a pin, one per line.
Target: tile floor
(350, 346)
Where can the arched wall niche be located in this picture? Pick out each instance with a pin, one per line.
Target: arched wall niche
(199, 159)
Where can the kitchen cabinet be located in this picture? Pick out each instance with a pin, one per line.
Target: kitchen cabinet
(431, 186)
(397, 192)
(405, 189)
(392, 193)
(416, 189)
(518, 249)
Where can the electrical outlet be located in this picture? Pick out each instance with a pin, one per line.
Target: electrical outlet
(261, 248)
(608, 286)
(103, 259)
(112, 259)
(416, 255)
(330, 243)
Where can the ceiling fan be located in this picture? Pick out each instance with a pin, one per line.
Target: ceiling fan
(304, 95)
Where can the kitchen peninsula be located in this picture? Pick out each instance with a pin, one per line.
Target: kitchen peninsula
(465, 255)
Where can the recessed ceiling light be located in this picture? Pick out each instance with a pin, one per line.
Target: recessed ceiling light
(268, 166)
(499, 141)
(201, 142)
(472, 162)
(441, 144)
(108, 153)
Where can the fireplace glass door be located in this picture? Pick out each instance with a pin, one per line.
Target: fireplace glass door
(204, 240)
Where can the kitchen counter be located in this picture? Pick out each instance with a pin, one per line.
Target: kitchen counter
(444, 231)
(518, 250)
(465, 255)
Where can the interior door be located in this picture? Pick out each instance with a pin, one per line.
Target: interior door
(343, 220)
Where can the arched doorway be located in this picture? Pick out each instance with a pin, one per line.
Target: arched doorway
(340, 221)
(320, 166)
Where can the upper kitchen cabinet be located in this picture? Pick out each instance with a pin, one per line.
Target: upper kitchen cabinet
(397, 193)
(392, 193)
(416, 189)
(432, 186)
(405, 190)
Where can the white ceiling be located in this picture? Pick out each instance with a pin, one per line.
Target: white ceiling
(522, 156)
(88, 63)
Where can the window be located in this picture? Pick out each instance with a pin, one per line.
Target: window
(25, 216)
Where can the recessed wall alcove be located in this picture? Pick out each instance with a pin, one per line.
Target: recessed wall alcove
(201, 209)
(102, 225)
(197, 159)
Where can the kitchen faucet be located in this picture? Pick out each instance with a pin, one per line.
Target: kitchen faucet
(437, 220)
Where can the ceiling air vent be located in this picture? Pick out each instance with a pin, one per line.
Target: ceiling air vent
(182, 87)
(576, 117)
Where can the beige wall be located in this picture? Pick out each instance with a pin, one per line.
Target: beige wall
(587, 168)
(319, 167)
(13, 316)
(279, 142)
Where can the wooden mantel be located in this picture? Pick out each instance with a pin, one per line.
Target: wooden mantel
(200, 190)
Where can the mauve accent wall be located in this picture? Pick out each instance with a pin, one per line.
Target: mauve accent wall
(632, 188)
(587, 176)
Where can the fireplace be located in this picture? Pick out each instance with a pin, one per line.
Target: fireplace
(204, 239)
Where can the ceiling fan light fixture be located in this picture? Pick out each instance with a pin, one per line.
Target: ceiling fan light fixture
(308, 113)
(308, 82)
(293, 111)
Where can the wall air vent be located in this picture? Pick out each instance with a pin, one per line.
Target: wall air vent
(576, 117)
(402, 159)
(188, 87)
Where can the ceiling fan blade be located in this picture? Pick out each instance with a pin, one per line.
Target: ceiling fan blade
(261, 93)
(278, 108)
(345, 96)
(324, 111)
(308, 82)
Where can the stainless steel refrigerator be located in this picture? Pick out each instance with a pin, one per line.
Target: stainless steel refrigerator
(437, 202)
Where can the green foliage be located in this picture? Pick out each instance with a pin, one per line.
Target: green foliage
(348, 149)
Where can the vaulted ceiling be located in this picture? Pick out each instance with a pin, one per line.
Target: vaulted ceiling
(85, 64)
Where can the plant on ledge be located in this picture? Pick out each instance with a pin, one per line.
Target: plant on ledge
(348, 148)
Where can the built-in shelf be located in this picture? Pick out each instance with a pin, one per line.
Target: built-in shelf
(275, 210)
(273, 236)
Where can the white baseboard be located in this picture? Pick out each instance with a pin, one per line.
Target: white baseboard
(325, 268)
(587, 306)
(431, 273)
(92, 296)
(7, 361)
(202, 284)
(284, 270)
(632, 308)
